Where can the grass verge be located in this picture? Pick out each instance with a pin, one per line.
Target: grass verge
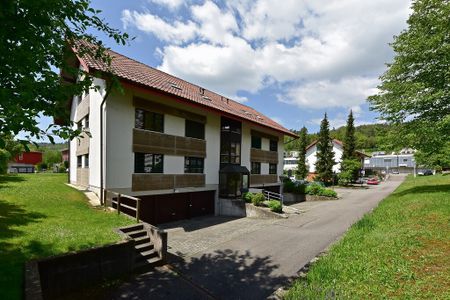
(41, 216)
(399, 251)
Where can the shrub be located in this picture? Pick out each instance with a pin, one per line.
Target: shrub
(345, 177)
(328, 193)
(4, 159)
(292, 187)
(247, 197)
(314, 189)
(258, 199)
(275, 206)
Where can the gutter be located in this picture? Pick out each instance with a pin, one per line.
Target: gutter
(108, 90)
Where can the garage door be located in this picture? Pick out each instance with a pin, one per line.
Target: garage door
(157, 209)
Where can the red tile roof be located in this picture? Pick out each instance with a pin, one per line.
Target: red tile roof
(141, 74)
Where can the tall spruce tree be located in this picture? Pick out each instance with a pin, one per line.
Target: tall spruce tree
(302, 169)
(325, 156)
(349, 139)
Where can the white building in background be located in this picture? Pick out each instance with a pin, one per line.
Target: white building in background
(338, 150)
(177, 146)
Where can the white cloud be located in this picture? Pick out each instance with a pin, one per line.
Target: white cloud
(176, 32)
(170, 4)
(347, 92)
(324, 53)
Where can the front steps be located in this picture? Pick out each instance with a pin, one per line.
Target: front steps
(146, 257)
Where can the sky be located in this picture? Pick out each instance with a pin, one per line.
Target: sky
(291, 60)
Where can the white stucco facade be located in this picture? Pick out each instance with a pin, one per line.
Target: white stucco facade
(311, 157)
(118, 125)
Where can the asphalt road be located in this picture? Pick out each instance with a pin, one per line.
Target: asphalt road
(255, 264)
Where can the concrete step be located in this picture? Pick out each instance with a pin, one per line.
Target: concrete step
(131, 228)
(142, 240)
(146, 255)
(137, 233)
(147, 264)
(144, 247)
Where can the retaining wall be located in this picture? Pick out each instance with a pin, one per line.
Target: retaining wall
(53, 277)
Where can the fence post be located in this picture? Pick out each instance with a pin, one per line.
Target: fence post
(118, 204)
(138, 209)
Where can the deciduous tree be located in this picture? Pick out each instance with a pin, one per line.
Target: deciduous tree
(415, 89)
(36, 43)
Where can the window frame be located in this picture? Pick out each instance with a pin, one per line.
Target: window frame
(197, 169)
(256, 142)
(273, 143)
(187, 125)
(271, 171)
(255, 168)
(145, 116)
(142, 169)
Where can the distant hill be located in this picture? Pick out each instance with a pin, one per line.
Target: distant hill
(369, 138)
(49, 146)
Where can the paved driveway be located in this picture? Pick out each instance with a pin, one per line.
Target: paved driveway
(228, 258)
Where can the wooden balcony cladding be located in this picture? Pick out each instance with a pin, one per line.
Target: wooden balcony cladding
(83, 144)
(82, 109)
(257, 179)
(145, 141)
(164, 109)
(83, 176)
(263, 156)
(148, 182)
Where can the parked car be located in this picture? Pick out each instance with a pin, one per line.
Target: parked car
(428, 172)
(372, 181)
(395, 172)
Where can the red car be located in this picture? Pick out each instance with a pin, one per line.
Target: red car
(372, 181)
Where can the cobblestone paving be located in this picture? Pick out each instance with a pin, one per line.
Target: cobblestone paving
(186, 238)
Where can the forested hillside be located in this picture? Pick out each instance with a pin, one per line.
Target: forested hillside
(369, 138)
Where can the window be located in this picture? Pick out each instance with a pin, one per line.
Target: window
(256, 142)
(148, 163)
(230, 142)
(79, 125)
(195, 129)
(387, 160)
(273, 145)
(149, 120)
(193, 164)
(405, 160)
(272, 168)
(86, 161)
(256, 167)
(86, 121)
(79, 161)
(21, 156)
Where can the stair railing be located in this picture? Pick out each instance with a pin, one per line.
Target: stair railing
(119, 203)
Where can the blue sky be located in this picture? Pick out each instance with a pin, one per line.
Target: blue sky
(291, 60)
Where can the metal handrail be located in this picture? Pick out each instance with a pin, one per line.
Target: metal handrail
(119, 204)
(273, 196)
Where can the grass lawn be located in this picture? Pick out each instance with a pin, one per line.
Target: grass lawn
(399, 251)
(41, 216)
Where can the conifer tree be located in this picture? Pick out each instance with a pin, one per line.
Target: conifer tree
(302, 169)
(325, 156)
(349, 139)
